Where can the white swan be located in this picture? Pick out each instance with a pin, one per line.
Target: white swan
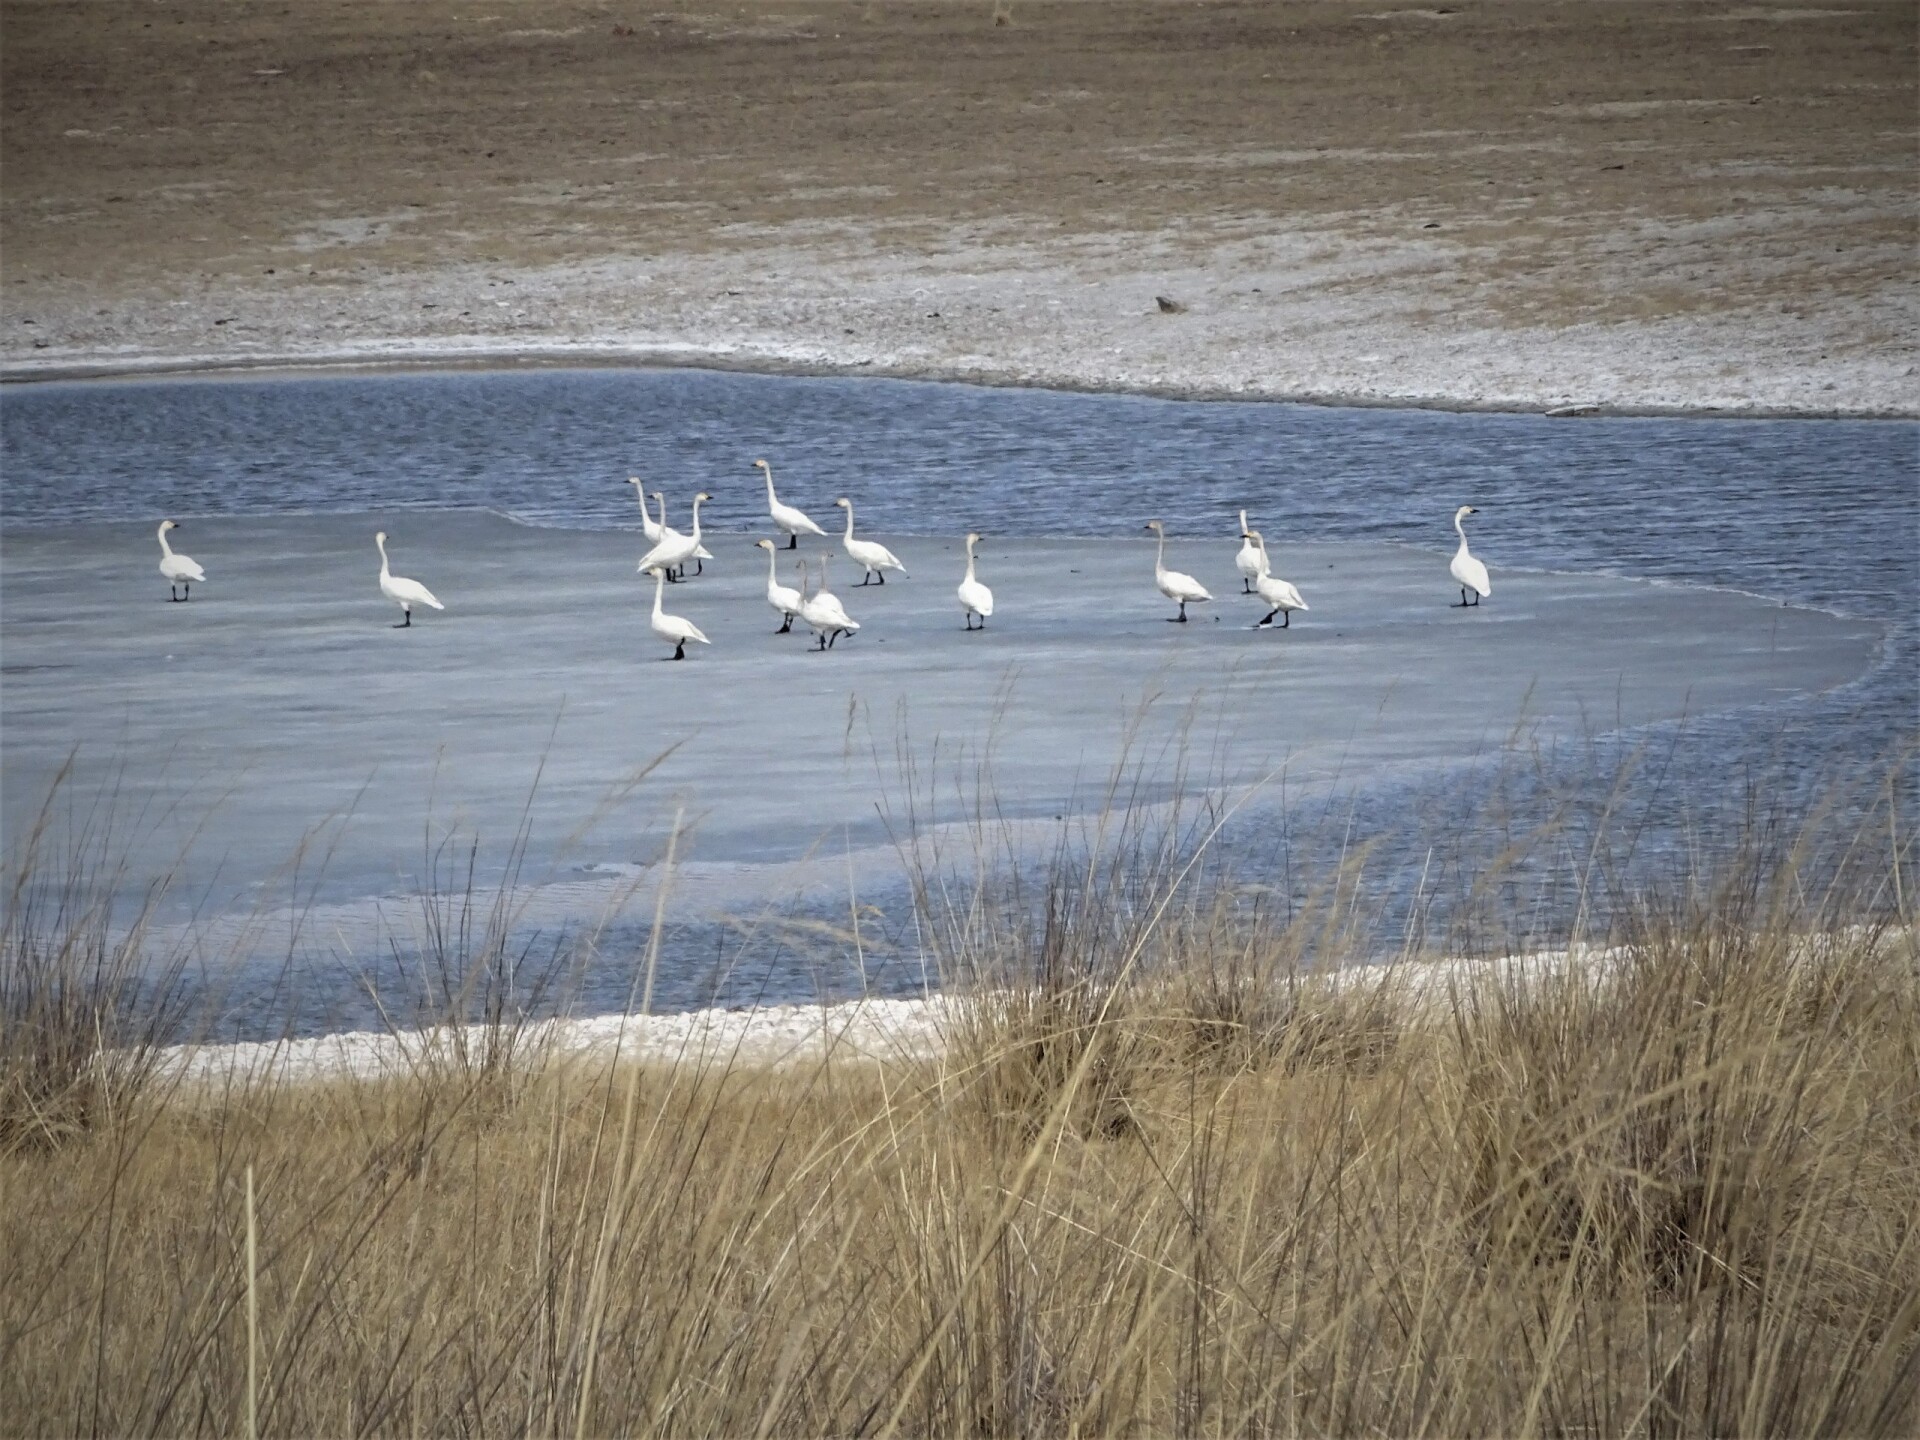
(822, 611)
(178, 569)
(1280, 594)
(404, 592)
(783, 598)
(975, 598)
(877, 558)
(673, 627)
(1251, 562)
(1469, 572)
(786, 517)
(1173, 584)
(674, 549)
(657, 529)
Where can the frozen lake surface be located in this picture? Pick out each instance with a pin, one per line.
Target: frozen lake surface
(1737, 598)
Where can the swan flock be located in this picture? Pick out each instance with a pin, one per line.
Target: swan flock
(824, 614)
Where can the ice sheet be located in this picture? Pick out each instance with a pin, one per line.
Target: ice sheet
(278, 704)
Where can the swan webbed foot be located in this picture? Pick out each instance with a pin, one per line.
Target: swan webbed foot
(1268, 621)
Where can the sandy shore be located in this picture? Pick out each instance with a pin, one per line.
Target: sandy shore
(1634, 207)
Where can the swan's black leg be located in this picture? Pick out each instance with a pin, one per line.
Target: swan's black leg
(1246, 586)
(173, 592)
(406, 619)
(680, 651)
(1183, 612)
(882, 576)
(786, 625)
(1463, 600)
(793, 541)
(1286, 620)
(699, 566)
(1268, 621)
(186, 591)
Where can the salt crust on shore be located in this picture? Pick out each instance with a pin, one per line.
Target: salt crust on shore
(767, 1037)
(1310, 317)
(875, 1030)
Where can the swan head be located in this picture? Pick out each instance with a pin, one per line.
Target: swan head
(763, 544)
(973, 537)
(634, 480)
(844, 503)
(169, 524)
(379, 537)
(701, 496)
(1252, 535)
(1156, 526)
(762, 465)
(1466, 510)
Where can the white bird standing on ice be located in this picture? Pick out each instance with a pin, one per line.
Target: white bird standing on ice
(785, 517)
(1173, 584)
(822, 610)
(1280, 594)
(1251, 562)
(672, 627)
(1469, 572)
(877, 558)
(656, 530)
(406, 593)
(783, 598)
(674, 549)
(975, 598)
(179, 570)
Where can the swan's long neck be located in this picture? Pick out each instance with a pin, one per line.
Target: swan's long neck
(659, 584)
(663, 508)
(696, 522)
(1243, 522)
(969, 560)
(803, 582)
(772, 499)
(165, 548)
(385, 574)
(849, 534)
(1460, 530)
(773, 571)
(1160, 553)
(1262, 543)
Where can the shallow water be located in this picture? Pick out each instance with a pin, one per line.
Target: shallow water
(1816, 514)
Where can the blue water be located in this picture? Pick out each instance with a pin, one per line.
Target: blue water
(1821, 513)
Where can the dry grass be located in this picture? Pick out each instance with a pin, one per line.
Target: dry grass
(1163, 1181)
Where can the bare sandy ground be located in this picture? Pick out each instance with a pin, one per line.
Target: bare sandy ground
(1505, 203)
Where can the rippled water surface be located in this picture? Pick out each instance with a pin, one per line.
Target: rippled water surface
(1823, 512)
(1819, 513)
